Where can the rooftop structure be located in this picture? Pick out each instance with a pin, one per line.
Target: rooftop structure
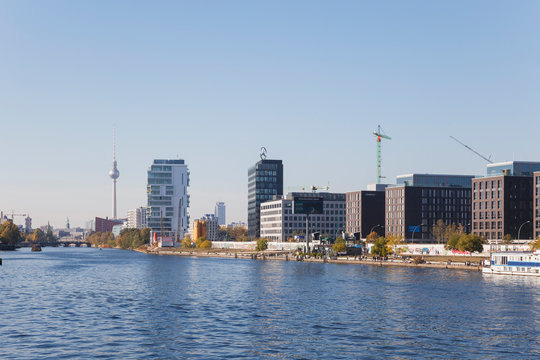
(443, 180)
(513, 168)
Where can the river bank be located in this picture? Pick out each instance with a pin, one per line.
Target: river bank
(443, 262)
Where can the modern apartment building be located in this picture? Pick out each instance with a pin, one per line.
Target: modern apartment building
(219, 213)
(136, 218)
(415, 204)
(365, 212)
(168, 199)
(278, 223)
(265, 180)
(502, 205)
(504, 202)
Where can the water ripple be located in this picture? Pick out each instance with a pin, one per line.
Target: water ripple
(90, 304)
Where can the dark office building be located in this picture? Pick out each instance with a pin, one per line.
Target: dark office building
(365, 212)
(501, 205)
(265, 180)
(412, 208)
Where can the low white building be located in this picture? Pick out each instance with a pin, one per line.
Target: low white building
(278, 223)
(136, 218)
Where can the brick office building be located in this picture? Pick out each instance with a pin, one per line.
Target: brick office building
(418, 201)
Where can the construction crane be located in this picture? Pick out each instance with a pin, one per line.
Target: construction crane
(314, 188)
(471, 149)
(12, 213)
(380, 135)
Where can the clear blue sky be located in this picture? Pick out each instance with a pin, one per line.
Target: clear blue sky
(213, 81)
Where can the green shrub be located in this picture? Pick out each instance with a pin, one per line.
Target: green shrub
(262, 244)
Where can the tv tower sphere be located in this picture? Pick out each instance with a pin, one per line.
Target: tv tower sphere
(114, 173)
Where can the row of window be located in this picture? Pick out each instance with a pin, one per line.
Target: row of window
(486, 195)
(486, 215)
(486, 205)
(487, 225)
(480, 185)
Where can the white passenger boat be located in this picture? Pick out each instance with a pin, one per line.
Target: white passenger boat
(513, 263)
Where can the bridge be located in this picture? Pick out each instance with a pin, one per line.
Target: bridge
(59, 243)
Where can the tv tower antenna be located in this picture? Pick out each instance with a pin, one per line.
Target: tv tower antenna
(114, 174)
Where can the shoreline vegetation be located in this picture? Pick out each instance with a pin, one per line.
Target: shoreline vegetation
(470, 263)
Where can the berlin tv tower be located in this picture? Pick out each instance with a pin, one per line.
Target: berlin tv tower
(114, 174)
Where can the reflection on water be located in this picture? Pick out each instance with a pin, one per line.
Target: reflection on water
(85, 303)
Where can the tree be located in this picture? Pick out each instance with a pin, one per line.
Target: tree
(471, 243)
(206, 244)
(339, 245)
(111, 242)
(372, 237)
(507, 239)
(145, 235)
(199, 241)
(393, 241)
(9, 233)
(186, 242)
(535, 245)
(466, 242)
(49, 236)
(438, 231)
(129, 239)
(38, 236)
(453, 241)
(262, 244)
(380, 247)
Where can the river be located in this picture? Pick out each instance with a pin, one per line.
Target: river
(85, 303)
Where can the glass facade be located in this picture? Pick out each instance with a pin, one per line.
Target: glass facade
(167, 198)
(433, 180)
(513, 168)
(265, 180)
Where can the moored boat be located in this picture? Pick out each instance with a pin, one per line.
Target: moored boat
(36, 247)
(513, 263)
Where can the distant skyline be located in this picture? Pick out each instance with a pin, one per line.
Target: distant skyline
(211, 82)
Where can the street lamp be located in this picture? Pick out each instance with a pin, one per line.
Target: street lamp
(519, 231)
(375, 227)
(414, 230)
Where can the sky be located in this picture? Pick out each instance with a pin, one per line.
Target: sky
(212, 82)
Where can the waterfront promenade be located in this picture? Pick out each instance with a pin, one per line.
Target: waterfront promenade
(438, 262)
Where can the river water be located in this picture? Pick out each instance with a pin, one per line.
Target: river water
(114, 304)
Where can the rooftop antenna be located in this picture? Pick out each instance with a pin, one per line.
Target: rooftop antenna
(471, 149)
